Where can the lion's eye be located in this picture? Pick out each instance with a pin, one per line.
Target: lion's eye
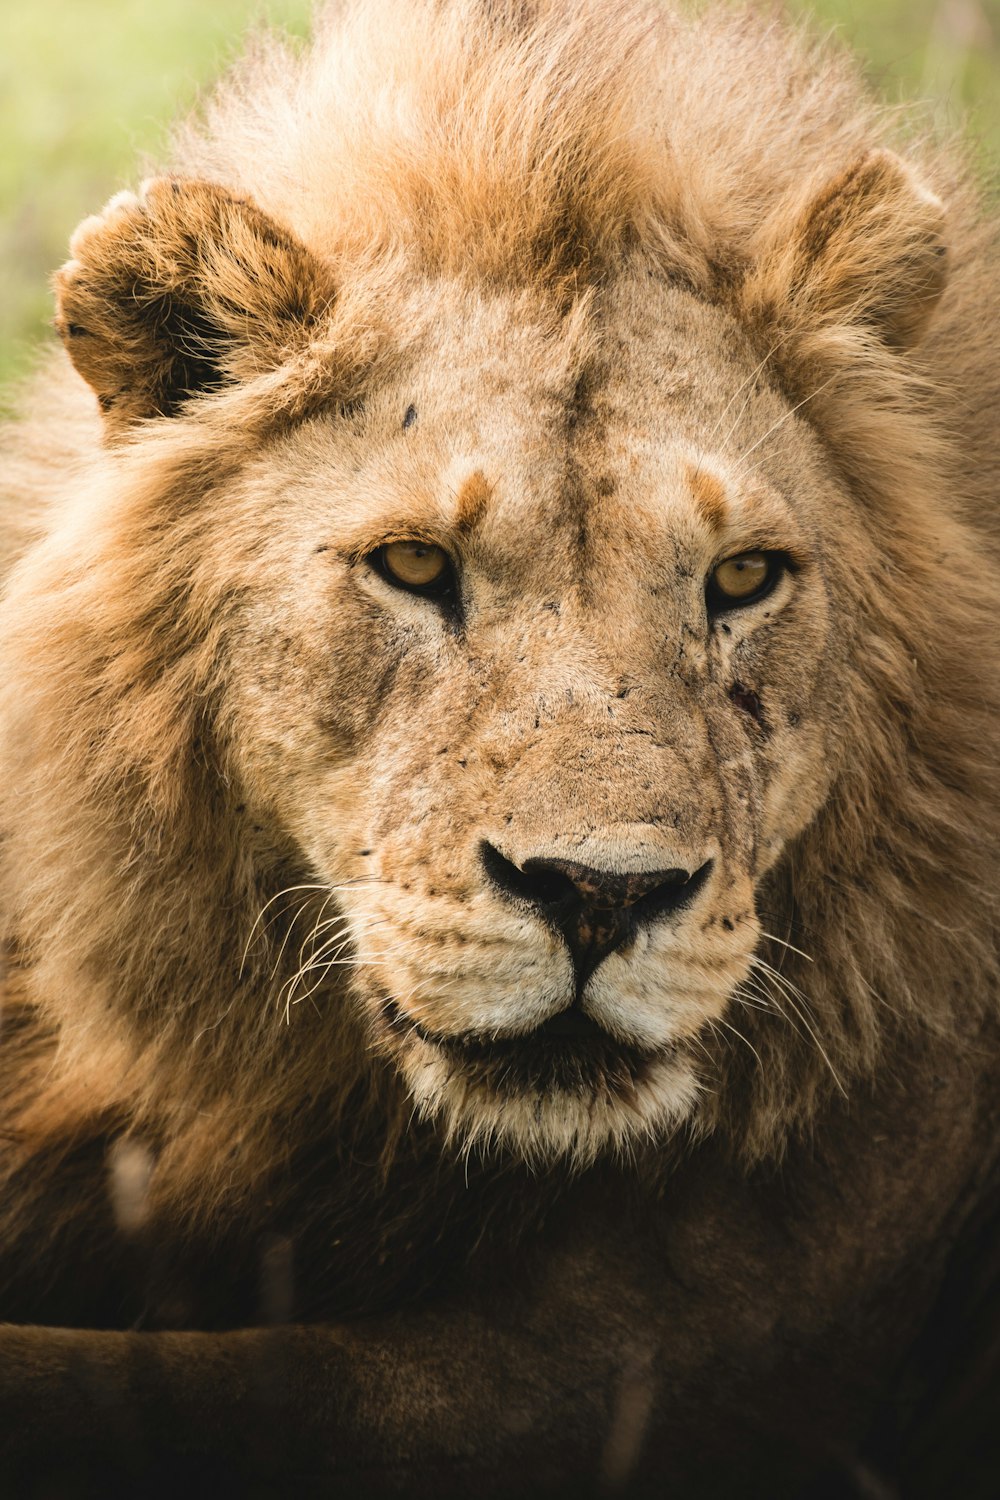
(421, 567)
(742, 580)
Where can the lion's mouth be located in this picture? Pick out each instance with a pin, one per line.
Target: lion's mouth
(569, 1053)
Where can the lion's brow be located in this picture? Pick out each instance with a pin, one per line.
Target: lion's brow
(710, 496)
(472, 500)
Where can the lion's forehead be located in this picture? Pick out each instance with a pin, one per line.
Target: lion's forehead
(546, 348)
(614, 445)
(612, 441)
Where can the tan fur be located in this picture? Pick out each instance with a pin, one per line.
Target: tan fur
(659, 291)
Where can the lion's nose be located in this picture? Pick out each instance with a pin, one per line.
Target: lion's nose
(595, 911)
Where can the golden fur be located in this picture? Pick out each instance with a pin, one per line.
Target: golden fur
(659, 290)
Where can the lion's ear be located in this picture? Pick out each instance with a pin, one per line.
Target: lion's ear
(867, 249)
(178, 291)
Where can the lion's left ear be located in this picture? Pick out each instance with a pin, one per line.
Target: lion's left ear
(179, 290)
(868, 249)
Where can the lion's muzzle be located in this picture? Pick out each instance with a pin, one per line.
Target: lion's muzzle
(594, 911)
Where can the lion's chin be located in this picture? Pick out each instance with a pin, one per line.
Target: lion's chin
(545, 1097)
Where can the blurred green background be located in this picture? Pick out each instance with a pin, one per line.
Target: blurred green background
(87, 86)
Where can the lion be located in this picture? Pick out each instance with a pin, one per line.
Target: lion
(498, 784)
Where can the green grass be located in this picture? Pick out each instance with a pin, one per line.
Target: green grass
(87, 88)
(944, 53)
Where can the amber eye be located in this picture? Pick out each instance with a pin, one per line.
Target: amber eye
(743, 579)
(420, 566)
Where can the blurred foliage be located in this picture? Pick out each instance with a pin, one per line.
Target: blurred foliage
(87, 87)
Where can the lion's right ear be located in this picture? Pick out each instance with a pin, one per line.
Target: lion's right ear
(868, 249)
(181, 290)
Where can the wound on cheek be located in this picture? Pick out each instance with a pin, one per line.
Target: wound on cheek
(746, 699)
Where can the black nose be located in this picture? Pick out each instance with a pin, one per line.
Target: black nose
(594, 911)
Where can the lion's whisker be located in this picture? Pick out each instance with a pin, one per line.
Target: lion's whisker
(739, 392)
(737, 1033)
(289, 890)
(332, 888)
(790, 946)
(785, 416)
(797, 1000)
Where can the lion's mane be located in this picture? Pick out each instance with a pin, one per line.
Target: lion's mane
(507, 151)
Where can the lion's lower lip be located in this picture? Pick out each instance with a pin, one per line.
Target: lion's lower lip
(571, 1025)
(570, 1051)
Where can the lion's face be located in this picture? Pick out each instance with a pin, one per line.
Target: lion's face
(543, 764)
(511, 637)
